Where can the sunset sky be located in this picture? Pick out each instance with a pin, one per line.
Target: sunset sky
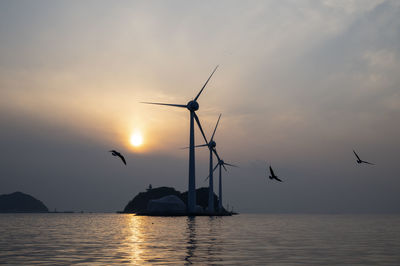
(300, 84)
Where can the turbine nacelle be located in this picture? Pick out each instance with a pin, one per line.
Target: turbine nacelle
(192, 106)
(212, 144)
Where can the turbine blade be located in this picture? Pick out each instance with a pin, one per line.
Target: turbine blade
(195, 99)
(226, 170)
(216, 154)
(202, 145)
(201, 129)
(215, 168)
(231, 165)
(168, 104)
(215, 129)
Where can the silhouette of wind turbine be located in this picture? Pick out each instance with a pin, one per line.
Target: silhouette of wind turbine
(211, 146)
(221, 164)
(192, 106)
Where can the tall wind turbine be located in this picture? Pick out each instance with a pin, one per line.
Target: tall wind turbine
(192, 106)
(221, 164)
(211, 146)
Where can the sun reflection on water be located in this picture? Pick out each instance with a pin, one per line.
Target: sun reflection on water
(136, 223)
(173, 239)
(156, 239)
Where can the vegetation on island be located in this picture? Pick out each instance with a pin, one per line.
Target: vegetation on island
(139, 203)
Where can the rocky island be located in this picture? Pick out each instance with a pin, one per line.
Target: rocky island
(166, 201)
(20, 202)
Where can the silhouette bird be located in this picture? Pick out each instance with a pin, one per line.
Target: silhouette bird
(115, 153)
(273, 176)
(359, 160)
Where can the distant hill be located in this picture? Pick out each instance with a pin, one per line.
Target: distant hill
(139, 202)
(20, 202)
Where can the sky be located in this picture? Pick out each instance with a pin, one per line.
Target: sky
(300, 84)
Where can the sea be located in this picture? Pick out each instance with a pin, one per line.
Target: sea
(244, 239)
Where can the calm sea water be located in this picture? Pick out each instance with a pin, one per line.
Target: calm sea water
(249, 239)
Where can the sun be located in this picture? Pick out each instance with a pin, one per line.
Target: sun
(136, 139)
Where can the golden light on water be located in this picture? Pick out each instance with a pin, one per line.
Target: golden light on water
(136, 139)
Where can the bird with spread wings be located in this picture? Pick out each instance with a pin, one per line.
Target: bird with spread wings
(115, 153)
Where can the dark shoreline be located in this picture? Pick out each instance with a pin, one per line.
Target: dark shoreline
(180, 214)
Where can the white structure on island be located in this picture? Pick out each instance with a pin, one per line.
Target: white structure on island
(168, 204)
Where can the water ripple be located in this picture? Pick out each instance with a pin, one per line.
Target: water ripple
(50, 239)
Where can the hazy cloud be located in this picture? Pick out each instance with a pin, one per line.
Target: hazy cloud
(300, 85)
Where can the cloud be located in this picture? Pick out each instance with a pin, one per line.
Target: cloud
(300, 85)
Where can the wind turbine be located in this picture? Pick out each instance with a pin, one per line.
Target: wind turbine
(211, 146)
(192, 106)
(221, 164)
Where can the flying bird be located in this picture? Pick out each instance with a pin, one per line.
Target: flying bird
(115, 153)
(273, 176)
(359, 160)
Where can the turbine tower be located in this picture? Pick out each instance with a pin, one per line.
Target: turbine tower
(221, 164)
(192, 106)
(211, 146)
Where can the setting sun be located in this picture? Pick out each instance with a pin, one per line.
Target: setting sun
(136, 139)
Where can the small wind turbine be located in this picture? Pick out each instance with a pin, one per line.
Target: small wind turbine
(211, 146)
(192, 106)
(221, 164)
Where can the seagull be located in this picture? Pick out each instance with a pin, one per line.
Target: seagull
(359, 160)
(115, 153)
(273, 176)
